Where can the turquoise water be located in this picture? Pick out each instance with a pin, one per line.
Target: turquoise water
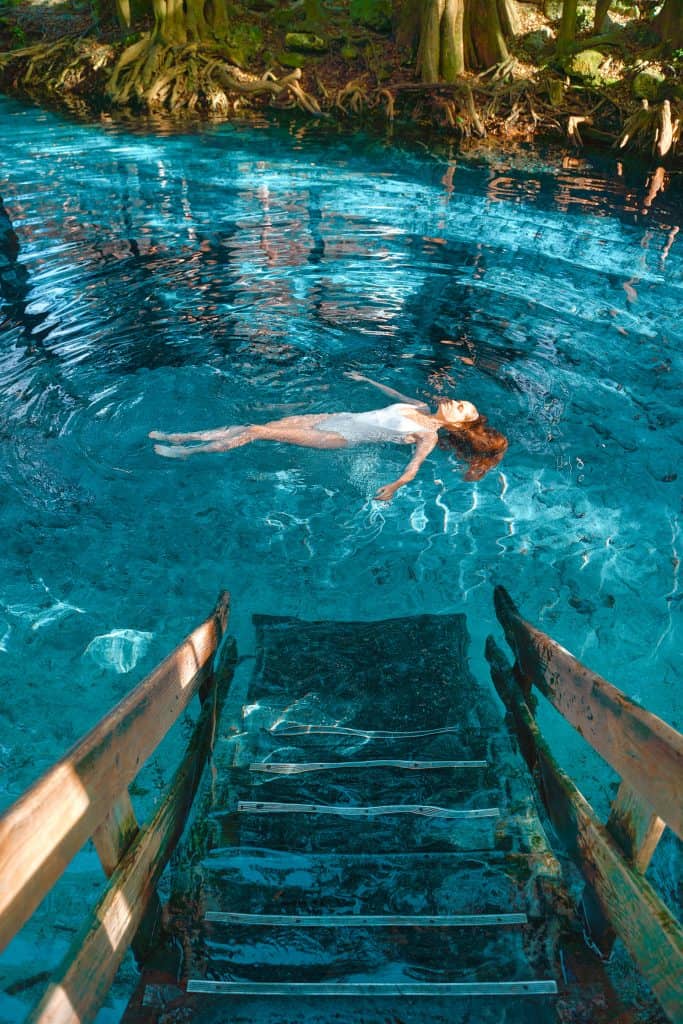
(181, 282)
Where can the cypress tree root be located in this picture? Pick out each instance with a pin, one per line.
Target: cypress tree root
(655, 128)
(149, 76)
(157, 75)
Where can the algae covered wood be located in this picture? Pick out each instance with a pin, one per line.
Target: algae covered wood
(48, 825)
(81, 984)
(645, 751)
(646, 926)
(637, 830)
(115, 834)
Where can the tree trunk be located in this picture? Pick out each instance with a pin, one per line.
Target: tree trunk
(567, 32)
(669, 24)
(510, 21)
(455, 34)
(123, 14)
(177, 22)
(407, 19)
(485, 41)
(452, 40)
(601, 11)
(429, 51)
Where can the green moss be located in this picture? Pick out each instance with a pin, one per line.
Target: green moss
(585, 65)
(244, 44)
(292, 60)
(647, 85)
(374, 14)
(306, 42)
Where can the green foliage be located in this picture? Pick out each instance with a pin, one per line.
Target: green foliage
(374, 14)
(584, 20)
(244, 44)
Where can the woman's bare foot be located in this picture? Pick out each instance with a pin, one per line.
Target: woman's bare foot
(169, 452)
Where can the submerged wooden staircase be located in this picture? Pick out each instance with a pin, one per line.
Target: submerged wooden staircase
(370, 844)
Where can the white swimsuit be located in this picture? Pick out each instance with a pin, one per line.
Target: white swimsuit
(389, 424)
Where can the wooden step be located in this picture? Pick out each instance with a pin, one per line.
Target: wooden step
(364, 920)
(282, 952)
(303, 768)
(267, 736)
(375, 989)
(374, 785)
(253, 880)
(374, 811)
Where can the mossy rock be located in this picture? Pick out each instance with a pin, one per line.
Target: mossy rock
(539, 41)
(349, 52)
(647, 85)
(586, 65)
(305, 42)
(290, 59)
(374, 14)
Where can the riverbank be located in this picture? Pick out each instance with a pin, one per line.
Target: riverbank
(619, 89)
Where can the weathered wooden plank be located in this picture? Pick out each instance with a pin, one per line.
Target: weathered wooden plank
(47, 826)
(646, 926)
(112, 840)
(81, 984)
(637, 830)
(645, 751)
(635, 827)
(118, 830)
(370, 989)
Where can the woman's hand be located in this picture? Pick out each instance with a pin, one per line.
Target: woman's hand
(387, 492)
(355, 375)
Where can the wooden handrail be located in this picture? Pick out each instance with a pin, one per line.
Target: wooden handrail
(645, 751)
(648, 755)
(50, 823)
(647, 927)
(80, 985)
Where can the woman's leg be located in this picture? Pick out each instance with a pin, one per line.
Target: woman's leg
(224, 441)
(198, 435)
(297, 430)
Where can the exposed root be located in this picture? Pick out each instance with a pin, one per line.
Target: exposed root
(656, 129)
(353, 97)
(573, 128)
(390, 101)
(155, 75)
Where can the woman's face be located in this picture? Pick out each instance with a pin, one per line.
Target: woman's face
(457, 412)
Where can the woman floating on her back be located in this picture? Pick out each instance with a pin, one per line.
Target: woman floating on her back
(407, 422)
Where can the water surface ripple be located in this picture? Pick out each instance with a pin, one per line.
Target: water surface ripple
(180, 282)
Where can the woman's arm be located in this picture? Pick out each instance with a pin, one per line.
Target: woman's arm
(354, 375)
(425, 445)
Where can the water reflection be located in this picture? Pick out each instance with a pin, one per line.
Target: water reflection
(170, 281)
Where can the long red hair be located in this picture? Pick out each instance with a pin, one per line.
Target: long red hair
(477, 444)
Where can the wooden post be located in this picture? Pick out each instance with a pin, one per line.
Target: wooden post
(112, 841)
(116, 833)
(637, 830)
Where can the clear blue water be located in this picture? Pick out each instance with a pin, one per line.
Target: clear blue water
(180, 282)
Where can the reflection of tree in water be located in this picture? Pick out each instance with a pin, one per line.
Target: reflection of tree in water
(15, 287)
(457, 315)
(37, 379)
